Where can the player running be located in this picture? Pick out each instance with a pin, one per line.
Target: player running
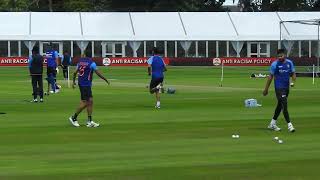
(52, 64)
(85, 69)
(156, 67)
(281, 70)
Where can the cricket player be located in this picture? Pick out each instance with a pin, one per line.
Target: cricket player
(281, 70)
(52, 64)
(36, 70)
(85, 69)
(156, 67)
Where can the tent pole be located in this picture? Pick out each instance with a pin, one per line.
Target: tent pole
(318, 49)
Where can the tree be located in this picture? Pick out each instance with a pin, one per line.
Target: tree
(77, 5)
(14, 5)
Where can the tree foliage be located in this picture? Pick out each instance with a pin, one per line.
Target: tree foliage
(155, 5)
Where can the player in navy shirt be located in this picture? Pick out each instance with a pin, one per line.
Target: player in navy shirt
(52, 57)
(281, 70)
(85, 69)
(156, 67)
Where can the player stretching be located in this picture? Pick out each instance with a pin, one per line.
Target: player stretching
(281, 70)
(156, 67)
(85, 69)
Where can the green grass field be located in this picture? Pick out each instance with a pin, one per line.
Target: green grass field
(188, 138)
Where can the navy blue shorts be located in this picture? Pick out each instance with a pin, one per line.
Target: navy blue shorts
(155, 82)
(86, 93)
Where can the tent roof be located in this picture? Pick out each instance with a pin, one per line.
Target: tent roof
(126, 26)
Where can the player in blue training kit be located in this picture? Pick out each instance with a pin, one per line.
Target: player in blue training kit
(156, 67)
(281, 70)
(52, 64)
(85, 69)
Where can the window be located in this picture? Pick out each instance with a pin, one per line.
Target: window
(67, 47)
(314, 49)
(304, 48)
(295, 49)
(232, 51)
(97, 49)
(140, 51)
(273, 48)
(88, 50)
(129, 51)
(202, 48)
(150, 46)
(160, 47)
(212, 49)
(171, 49)
(3, 48)
(76, 50)
(222, 49)
(14, 48)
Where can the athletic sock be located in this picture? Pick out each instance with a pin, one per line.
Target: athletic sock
(74, 117)
(273, 122)
(89, 118)
(158, 103)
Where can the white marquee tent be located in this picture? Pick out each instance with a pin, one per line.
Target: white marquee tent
(157, 26)
(241, 26)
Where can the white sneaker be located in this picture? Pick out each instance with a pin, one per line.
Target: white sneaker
(92, 124)
(291, 128)
(51, 92)
(157, 107)
(74, 122)
(41, 100)
(274, 127)
(34, 101)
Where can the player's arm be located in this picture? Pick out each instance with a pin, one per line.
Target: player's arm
(95, 69)
(57, 58)
(30, 62)
(74, 78)
(164, 67)
(293, 79)
(293, 75)
(101, 76)
(266, 89)
(270, 78)
(149, 69)
(150, 60)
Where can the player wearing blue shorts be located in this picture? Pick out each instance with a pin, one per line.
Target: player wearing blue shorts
(85, 69)
(281, 70)
(52, 64)
(156, 67)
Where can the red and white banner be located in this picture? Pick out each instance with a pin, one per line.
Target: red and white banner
(243, 61)
(13, 61)
(128, 61)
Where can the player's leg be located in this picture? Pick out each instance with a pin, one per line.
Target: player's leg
(158, 99)
(158, 87)
(65, 72)
(81, 107)
(284, 101)
(277, 111)
(90, 123)
(34, 88)
(40, 87)
(50, 77)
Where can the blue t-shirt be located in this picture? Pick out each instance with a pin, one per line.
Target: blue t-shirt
(282, 72)
(157, 65)
(51, 56)
(85, 71)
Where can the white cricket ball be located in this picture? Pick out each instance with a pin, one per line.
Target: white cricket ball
(276, 138)
(280, 141)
